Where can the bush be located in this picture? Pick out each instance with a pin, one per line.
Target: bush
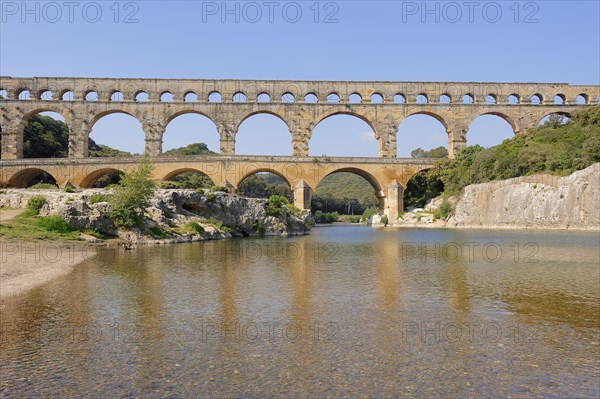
(69, 189)
(132, 196)
(34, 204)
(443, 211)
(54, 223)
(211, 197)
(42, 186)
(275, 206)
(96, 198)
(194, 227)
(259, 227)
(384, 220)
(157, 232)
(220, 188)
(326, 217)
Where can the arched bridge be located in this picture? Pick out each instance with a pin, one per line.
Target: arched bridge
(300, 104)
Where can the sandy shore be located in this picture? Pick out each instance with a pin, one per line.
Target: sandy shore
(25, 265)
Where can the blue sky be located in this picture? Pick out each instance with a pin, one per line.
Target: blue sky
(542, 41)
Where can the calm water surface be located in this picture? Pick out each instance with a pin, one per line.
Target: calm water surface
(347, 311)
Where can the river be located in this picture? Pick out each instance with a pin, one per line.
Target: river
(347, 311)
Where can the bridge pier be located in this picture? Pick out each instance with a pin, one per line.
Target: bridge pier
(394, 201)
(12, 143)
(302, 195)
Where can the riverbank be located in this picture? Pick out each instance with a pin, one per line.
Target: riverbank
(25, 265)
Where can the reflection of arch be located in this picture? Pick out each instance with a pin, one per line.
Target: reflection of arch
(263, 170)
(23, 177)
(89, 180)
(372, 180)
(177, 172)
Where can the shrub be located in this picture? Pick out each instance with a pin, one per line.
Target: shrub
(384, 220)
(220, 188)
(96, 198)
(69, 189)
(34, 204)
(211, 197)
(275, 206)
(443, 211)
(132, 196)
(323, 217)
(194, 227)
(259, 227)
(42, 186)
(157, 232)
(54, 223)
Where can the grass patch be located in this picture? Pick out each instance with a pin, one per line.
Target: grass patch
(96, 198)
(38, 228)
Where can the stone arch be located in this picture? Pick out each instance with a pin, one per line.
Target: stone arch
(548, 113)
(272, 131)
(23, 177)
(45, 95)
(436, 116)
(200, 121)
(46, 108)
(254, 169)
(92, 177)
(490, 129)
(372, 180)
(251, 114)
(507, 118)
(435, 130)
(187, 111)
(97, 117)
(319, 146)
(364, 118)
(176, 172)
(190, 96)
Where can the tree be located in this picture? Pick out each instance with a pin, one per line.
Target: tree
(132, 195)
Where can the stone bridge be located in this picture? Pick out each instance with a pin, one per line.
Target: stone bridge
(387, 176)
(301, 105)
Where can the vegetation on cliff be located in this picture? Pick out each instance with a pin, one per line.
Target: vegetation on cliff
(552, 148)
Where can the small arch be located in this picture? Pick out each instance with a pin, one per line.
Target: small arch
(514, 99)
(581, 99)
(333, 98)
(239, 97)
(166, 97)
(399, 98)
(141, 97)
(355, 98)
(190, 97)
(215, 97)
(445, 98)
(422, 98)
(376, 98)
(311, 98)
(263, 98)
(101, 178)
(46, 95)
(67, 95)
(24, 95)
(3, 94)
(559, 99)
(536, 99)
(31, 176)
(187, 178)
(288, 97)
(468, 99)
(116, 96)
(263, 183)
(491, 99)
(91, 95)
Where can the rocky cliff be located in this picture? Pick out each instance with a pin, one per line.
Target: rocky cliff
(173, 215)
(538, 201)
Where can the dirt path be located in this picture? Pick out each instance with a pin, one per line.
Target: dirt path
(6, 214)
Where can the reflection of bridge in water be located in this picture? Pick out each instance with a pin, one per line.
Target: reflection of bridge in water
(301, 105)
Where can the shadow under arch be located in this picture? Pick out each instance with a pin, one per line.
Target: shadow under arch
(173, 174)
(23, 177)
(91, 178)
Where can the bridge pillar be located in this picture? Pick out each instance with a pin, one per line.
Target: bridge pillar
(301, 132)
(154, 132)
(302, 195)
(394, 201)
(457, 138)
(227, 138)
(12, 143)
(386, 137)
(79, 138)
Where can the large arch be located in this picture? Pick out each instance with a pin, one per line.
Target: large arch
(547, 116)
(36, 146)
(338, 133)
(258, 169)
(89, 180)
(261, 127)
(422, 129)
(22, 178)
(347, 192)
(489, 129)
(187, 178)
(113, 128)
(190, 127)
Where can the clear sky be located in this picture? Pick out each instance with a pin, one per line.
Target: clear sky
(524, 41)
